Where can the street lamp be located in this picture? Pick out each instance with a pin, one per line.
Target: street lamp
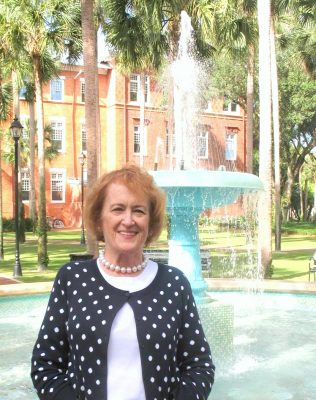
(16, 131)
(82, 159)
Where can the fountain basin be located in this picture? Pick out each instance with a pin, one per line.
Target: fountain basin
(202, 189)
(189, 192)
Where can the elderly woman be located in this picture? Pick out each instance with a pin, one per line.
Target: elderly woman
(121, 327)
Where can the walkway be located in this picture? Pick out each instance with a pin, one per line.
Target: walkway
(12, 287)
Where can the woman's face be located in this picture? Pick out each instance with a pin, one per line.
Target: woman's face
(125, 224)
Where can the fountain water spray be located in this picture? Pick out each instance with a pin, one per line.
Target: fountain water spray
(191, 191)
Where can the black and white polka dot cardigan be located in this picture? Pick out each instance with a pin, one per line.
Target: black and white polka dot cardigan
(70, 356)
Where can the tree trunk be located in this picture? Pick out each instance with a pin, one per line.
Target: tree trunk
(276, 136)
(265, 143)
(250, 95)
(42, 226)
(142, 119)
(1, 205)
(32, 200)
(91, 100)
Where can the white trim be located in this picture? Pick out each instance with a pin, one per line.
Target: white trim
(58, 171)
(203, 135)
(25, 171)
(61, 120)
(82, 84)
(230, 145)
(61, 79)
(144, 153)
(229, 111)
(138, 83)
(82, 123)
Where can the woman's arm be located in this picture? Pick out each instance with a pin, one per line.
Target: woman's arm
(50, 353)
(193, 356)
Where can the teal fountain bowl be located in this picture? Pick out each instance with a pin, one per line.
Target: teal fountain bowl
(189, 192)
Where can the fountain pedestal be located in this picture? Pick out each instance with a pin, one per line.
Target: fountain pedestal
(184, 249)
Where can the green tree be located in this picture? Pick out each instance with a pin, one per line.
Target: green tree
(298, 123)
(47, 31)
(5, 103)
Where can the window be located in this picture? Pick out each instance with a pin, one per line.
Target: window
(202, 143)
(170, 139)
(134, 88)
(25, 121)
(57, 134)
(57, 182)
(82, 91)
(25, 185)
(230, 107)
(137, 140)
(56, 89)
(231, 146)
(83, 137)
(22, 93)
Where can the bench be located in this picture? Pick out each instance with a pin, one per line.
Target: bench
(312, 266)
(161, 256)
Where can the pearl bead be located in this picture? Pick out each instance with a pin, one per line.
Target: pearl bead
(122, 270)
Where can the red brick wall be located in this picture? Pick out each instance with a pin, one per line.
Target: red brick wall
(117, 118)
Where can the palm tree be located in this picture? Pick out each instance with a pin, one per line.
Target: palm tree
(30, 98)
(265, 144)
(5, 104)
(46, 30)
(235, 33)
(89, 36)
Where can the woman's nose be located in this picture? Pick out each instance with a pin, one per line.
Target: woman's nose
(128, 218)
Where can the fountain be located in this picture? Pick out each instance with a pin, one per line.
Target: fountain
(191, 191)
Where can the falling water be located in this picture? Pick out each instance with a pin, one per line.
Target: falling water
(185, 79)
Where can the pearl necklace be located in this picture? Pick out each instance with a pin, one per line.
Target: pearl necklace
(122, 270)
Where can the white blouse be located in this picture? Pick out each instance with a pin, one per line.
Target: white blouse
(125, 380)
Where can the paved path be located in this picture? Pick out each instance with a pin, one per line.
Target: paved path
(7, 281)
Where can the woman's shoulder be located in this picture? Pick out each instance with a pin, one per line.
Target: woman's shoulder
(74, 267)
(174, 273)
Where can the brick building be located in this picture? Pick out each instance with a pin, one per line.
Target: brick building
(221, 135)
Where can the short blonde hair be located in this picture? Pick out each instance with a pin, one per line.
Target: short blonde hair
(138, 181)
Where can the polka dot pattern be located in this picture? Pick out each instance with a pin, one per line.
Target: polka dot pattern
(72, 342)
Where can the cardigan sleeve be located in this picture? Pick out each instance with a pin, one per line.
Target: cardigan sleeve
(194, 357)
(50, 353)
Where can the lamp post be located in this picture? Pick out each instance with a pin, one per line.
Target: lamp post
(16, 131)
(82, 159)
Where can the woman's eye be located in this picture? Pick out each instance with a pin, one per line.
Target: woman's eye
(139, 211)
(117, 209)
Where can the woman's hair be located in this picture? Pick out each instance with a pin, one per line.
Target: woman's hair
(138, 181)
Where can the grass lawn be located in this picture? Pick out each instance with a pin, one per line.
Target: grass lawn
(228, 252)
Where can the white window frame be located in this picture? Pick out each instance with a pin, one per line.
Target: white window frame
(168, 144)
(83, 134)
(62, 121)
(136, 131)
(22, 93)
(229, 108)
(25, 182)
(62, 172)
(24, 119)
(208, 107)
(82, 90)
(230, 145)
(135, 80)
(60, 79)
(202, 137)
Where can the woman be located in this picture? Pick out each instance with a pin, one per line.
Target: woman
(121, 327)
